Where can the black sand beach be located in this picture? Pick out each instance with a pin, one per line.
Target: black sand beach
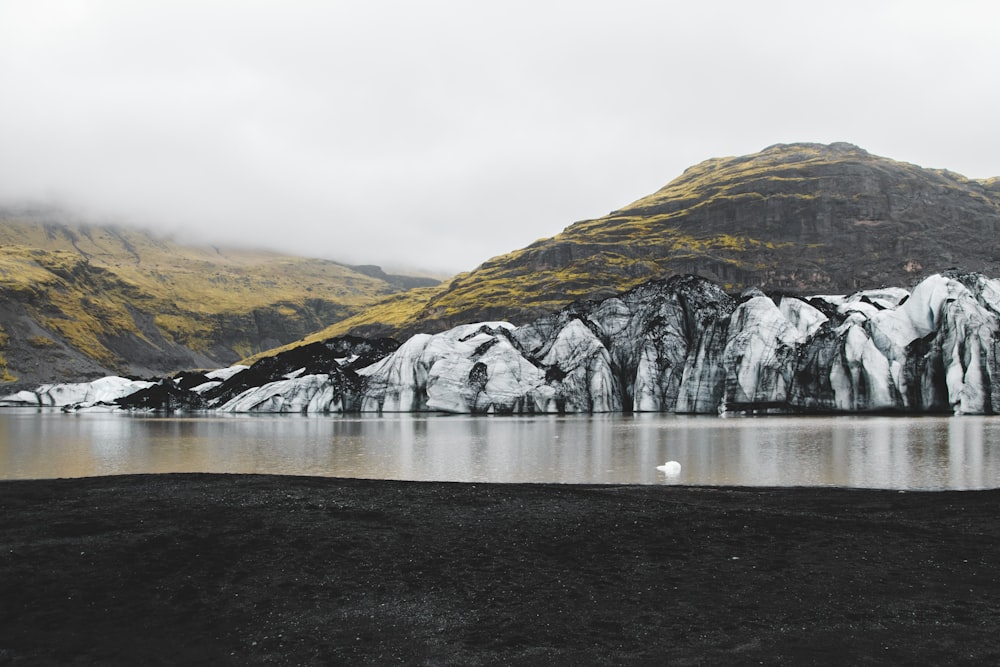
(233, 569)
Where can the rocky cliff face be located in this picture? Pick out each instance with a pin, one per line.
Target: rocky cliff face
(798, 218)
(681, 345)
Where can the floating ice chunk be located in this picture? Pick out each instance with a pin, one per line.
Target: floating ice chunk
(670, 468)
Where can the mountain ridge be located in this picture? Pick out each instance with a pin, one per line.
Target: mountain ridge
(793, 217)
(81, 300)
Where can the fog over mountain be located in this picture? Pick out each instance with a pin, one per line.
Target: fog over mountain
(441, 134)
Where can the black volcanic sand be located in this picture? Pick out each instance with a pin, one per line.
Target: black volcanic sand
(231, 569)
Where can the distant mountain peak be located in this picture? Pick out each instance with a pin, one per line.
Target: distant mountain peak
(80, 300)
(794, 217)
(836, 148)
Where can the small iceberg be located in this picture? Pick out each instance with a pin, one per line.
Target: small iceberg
(670, 468)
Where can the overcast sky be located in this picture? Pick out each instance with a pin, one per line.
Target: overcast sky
(438, 134)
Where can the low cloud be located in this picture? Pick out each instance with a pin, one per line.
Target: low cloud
(440, 134)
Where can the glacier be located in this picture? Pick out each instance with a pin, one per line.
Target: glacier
(104, 390)
(677, 345)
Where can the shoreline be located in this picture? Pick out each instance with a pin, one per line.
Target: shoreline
(200, 568)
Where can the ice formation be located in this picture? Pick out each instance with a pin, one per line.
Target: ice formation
(679, 345)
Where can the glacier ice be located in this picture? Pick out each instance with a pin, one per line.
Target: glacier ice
(103, 390)
(677, 345)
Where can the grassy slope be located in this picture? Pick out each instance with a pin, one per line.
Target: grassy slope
(79, 288)
(796, 217)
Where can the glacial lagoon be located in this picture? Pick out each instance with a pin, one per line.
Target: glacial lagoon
(933, 452)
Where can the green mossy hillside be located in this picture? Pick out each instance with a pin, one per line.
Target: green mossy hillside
(795, 218)
(78, 300)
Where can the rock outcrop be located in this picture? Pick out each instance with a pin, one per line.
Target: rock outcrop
(681, 345)
(799, 218)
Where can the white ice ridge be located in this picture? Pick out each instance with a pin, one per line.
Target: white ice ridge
(680, 345)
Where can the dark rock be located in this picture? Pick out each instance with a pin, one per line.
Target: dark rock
(164, 396)
(337, 356)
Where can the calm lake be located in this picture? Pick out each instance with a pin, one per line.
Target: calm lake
(879, 452)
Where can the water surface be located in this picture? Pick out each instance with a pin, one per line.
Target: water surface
(874, 452)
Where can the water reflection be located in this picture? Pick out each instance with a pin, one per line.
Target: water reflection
(877, 452)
